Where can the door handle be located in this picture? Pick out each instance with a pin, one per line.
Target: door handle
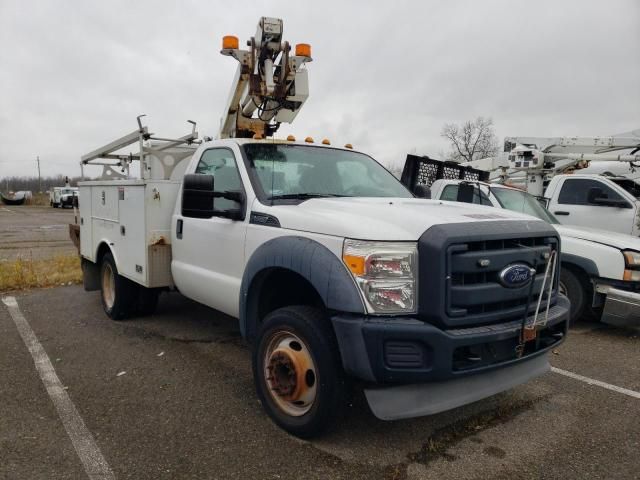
(561, 213)
(179, 228)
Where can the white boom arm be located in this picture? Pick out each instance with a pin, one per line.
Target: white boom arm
(535, 159)
(270, 85)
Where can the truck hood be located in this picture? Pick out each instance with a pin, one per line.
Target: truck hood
(612, 239)
(381, 218)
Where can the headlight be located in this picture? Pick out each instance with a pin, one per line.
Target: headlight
(632, 265)
(386, 273)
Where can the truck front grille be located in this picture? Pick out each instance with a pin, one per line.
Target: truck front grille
(474, 292)
(459, 264)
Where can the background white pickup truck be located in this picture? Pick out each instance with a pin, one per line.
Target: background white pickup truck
(608, 203)
(600, 268)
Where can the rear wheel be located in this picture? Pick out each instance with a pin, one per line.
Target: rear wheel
(297, 370)
(572, 286)
(118, 293)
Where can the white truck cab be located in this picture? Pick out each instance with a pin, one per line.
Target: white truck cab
(611, 203)
(600, 267)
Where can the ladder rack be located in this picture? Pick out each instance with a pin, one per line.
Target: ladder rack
(149, 146)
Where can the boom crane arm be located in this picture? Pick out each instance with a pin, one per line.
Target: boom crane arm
(270, 86)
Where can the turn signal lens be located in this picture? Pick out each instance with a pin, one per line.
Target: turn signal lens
(230, 42)
(632, 258)
(632, 275)
(303, 50)
(353, 263)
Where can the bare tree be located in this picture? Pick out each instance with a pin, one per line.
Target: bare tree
(472, 140)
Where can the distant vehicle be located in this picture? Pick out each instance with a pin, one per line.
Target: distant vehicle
(60, 197)
(17, 198)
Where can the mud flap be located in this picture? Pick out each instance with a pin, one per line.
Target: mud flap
(90, 275)
(407, 401)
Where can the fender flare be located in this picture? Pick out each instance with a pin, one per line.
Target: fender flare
(585, 264)
(309, 259)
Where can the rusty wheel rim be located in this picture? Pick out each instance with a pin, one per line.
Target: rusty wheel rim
(290, 373)
(108, 286)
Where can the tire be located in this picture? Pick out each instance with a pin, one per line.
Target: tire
(577, 292)
(287, 338)
(147, 300)
(118, 294)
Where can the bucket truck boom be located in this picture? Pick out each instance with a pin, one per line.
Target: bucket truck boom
(270, 86)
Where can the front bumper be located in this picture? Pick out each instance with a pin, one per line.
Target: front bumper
(416, 400)
(622, 308)
(408, 351)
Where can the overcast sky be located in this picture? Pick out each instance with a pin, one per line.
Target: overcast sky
(386, 75)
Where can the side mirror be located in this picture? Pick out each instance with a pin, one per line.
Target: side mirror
(197, 196)
(596, 196)
(422, 191)
(466, 192)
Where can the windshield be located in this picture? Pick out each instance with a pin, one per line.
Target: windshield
(523, 202)
(299, 172)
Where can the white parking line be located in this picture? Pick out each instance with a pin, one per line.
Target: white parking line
(94, 463)
(598, 383)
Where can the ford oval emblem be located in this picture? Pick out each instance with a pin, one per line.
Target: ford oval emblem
(515, 276)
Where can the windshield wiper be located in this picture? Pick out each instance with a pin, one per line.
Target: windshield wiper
(304, 196)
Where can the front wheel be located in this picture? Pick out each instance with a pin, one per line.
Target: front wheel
(574, 289)
(297, 370)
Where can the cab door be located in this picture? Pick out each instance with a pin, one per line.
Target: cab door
(573, 206)
(208, 253)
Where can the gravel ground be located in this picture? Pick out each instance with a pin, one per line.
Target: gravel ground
(34, 232)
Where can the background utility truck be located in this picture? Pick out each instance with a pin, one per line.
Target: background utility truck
(334, 270)
(563, 170)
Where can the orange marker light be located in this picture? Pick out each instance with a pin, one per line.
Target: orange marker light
(229, 42)
(348, 145)
(291, 138)
(303, 50)
(355, 264)
(308, 140)
(326, 142)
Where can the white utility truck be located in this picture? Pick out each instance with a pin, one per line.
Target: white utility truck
(334, 270)
(560, 168)
(600, 270)
(60, 197)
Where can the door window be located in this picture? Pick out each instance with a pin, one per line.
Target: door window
(575, 191)
(221, 163)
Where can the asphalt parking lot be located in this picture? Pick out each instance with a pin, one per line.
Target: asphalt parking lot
(171, 396)
(185, 407)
